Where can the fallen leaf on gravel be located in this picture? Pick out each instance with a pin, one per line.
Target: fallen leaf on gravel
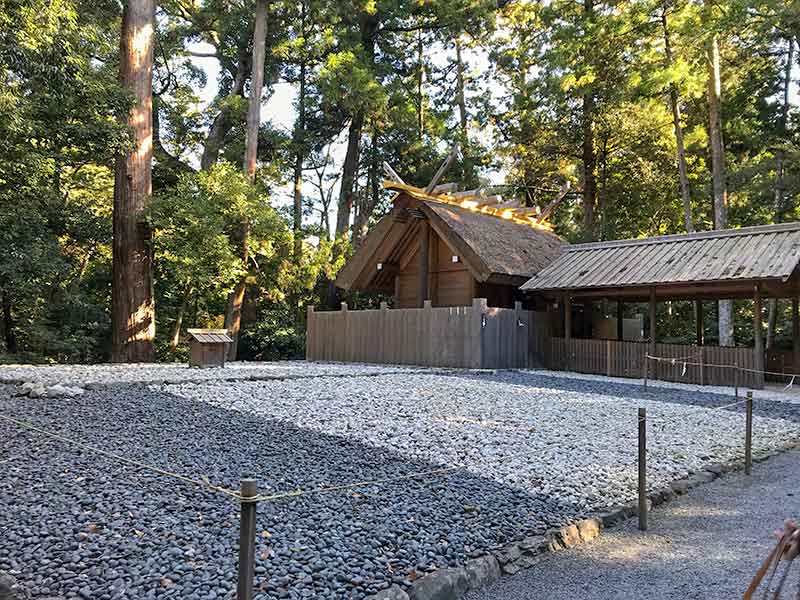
(166, 582)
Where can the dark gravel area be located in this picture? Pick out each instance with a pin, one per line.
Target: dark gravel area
(75, 524)
(705, 546)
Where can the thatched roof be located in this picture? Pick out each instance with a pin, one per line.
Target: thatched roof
(727, 260)
(495, 245)
(501, 247)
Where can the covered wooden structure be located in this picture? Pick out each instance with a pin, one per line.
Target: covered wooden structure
(748, 263)
(208, 347)
(449, 249)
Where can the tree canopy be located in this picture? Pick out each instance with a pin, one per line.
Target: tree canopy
(616, 99)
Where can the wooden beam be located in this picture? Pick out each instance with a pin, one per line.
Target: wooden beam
(448, 162)
(553, 205)
(477, 193)
(620, 322)
(526, 211)
(758, 333)
(391, 173)
(493, 200)
(424, 247)
(698, 322)
(445, 188)
(507, 204)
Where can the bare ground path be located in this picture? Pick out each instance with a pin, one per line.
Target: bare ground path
(706, 545)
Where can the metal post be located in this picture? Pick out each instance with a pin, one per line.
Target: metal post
(247, 540)
(643, 469)
(736, 380)
(748, 436)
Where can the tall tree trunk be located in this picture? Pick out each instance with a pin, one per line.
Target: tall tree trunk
(725, 322)
(779, 193)
(369, 26)
(223, 122)
(589, 157)
(420, 84)
(462, 112)
(9, 333)
(370, 195)
(349, 175)
(299, 158)
(233, 313)
(175, 339)
(683, 176)
(133, 324)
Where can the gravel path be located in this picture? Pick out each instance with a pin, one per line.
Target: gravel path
(157, 373)
(706, 545)
(76, 524)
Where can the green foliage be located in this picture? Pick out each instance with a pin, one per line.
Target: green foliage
(524, 112)
(274, 337)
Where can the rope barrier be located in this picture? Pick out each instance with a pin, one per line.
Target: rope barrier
(203, 482)
(676, 362)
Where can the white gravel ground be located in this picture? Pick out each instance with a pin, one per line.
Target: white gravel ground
(577, 446)
(776, 392)
(83, 375)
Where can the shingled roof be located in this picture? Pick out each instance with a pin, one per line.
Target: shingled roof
(768, 253)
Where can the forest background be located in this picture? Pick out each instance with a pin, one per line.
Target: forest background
(664, 116)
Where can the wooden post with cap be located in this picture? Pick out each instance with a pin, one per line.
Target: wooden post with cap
(247, 540)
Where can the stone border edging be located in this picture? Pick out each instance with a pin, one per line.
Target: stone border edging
(453, 582)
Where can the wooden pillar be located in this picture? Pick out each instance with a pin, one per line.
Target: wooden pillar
(588, 305)
(433, 267)
(620, 322)
(568, 330)
(795, 335)
(567, 316)
(424, 246)
(652, 321)
(698, 322)
(758, 334)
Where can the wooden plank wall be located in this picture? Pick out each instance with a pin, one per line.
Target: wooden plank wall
(448, 337)
(461, 336)
(626, 359)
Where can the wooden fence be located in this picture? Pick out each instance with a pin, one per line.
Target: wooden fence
(626, 359)
(476, 336)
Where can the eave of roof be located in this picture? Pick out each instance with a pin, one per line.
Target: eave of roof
(766, 252)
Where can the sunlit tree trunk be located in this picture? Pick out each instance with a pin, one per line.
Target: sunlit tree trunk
(233, 313)
(683, 176)
(780, 190)
(175, 338)
(133, 325)
(714, 93)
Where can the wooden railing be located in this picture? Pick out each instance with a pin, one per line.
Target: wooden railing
(704, 365)
(476, 336)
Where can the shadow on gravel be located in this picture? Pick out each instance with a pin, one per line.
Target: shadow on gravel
(635, 391)
(73, 521)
